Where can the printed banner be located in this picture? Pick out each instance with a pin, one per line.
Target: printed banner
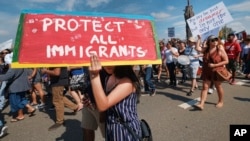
(214, 17)
(53, 38)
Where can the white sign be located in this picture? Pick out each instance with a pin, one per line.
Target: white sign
(6, 45)
(214, 17)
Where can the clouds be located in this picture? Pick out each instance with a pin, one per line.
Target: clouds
(68, 5)
(8, 24)
(240, 7)
(96, 3)
(43, 1)
(160, 15)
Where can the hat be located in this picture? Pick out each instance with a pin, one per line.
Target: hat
(191, 39)
(8, 58)
(211, 37)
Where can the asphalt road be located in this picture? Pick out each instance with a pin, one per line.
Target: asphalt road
(169, 113)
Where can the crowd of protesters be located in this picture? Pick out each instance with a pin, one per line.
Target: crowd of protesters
(88, 86)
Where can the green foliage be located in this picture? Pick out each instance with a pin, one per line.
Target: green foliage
(224, 32)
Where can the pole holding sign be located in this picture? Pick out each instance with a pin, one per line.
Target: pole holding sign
(54, 38)
(209, 19)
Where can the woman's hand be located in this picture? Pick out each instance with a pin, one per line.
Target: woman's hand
(211, 65)
(95, 66)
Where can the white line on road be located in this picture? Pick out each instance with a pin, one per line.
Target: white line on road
(242, 82)
(189, 103)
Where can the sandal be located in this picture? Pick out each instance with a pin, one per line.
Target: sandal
(16, 119)
(32, 112)
(190, 93)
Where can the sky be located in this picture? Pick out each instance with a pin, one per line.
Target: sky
(166, 13)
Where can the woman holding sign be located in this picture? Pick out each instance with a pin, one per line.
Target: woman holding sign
(118, 99)
(214, 58)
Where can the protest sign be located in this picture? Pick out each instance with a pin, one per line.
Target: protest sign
(171, 32)
(214, 32)
(53, 38)
(209, 19)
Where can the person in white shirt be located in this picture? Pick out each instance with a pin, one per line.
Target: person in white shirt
(170, 60)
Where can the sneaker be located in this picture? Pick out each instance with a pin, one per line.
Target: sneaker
(40, 106)
(3, 130)
(153, 93)
(33, 104)
(145, 94)
(55, 126)
(210, 91)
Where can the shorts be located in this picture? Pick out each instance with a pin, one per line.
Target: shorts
(192, 71)
(91, 120)
(232, 65)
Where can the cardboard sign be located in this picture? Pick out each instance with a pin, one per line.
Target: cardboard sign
(50, 38)
(214, 17)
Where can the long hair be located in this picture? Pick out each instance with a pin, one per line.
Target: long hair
(127, 71)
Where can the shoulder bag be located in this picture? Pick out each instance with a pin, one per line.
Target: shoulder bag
(222, 73)
(145, 128)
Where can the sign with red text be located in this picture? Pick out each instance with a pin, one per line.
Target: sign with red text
(52, 38)
(209, 19)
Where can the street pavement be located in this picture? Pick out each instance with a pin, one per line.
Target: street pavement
(169, 113)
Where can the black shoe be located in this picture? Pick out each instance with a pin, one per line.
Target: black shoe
(190, 93)
(171, 84)
(52, 108)
(3, 131)
(55, 126)
(182, 81)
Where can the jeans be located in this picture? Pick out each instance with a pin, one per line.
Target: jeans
(17, 101)
(148, 84)
(184, 73)
(2, 92)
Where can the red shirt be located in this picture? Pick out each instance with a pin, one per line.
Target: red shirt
(232, 49)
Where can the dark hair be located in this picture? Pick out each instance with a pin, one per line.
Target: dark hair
(231, 34)
(8, 50)
(127, 71)
(161, 42)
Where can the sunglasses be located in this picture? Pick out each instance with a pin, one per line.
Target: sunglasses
(215, 39)
(4, 52)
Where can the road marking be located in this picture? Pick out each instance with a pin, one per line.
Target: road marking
(189, 103)
(242, 82)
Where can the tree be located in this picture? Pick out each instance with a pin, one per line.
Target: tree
(224, 32)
